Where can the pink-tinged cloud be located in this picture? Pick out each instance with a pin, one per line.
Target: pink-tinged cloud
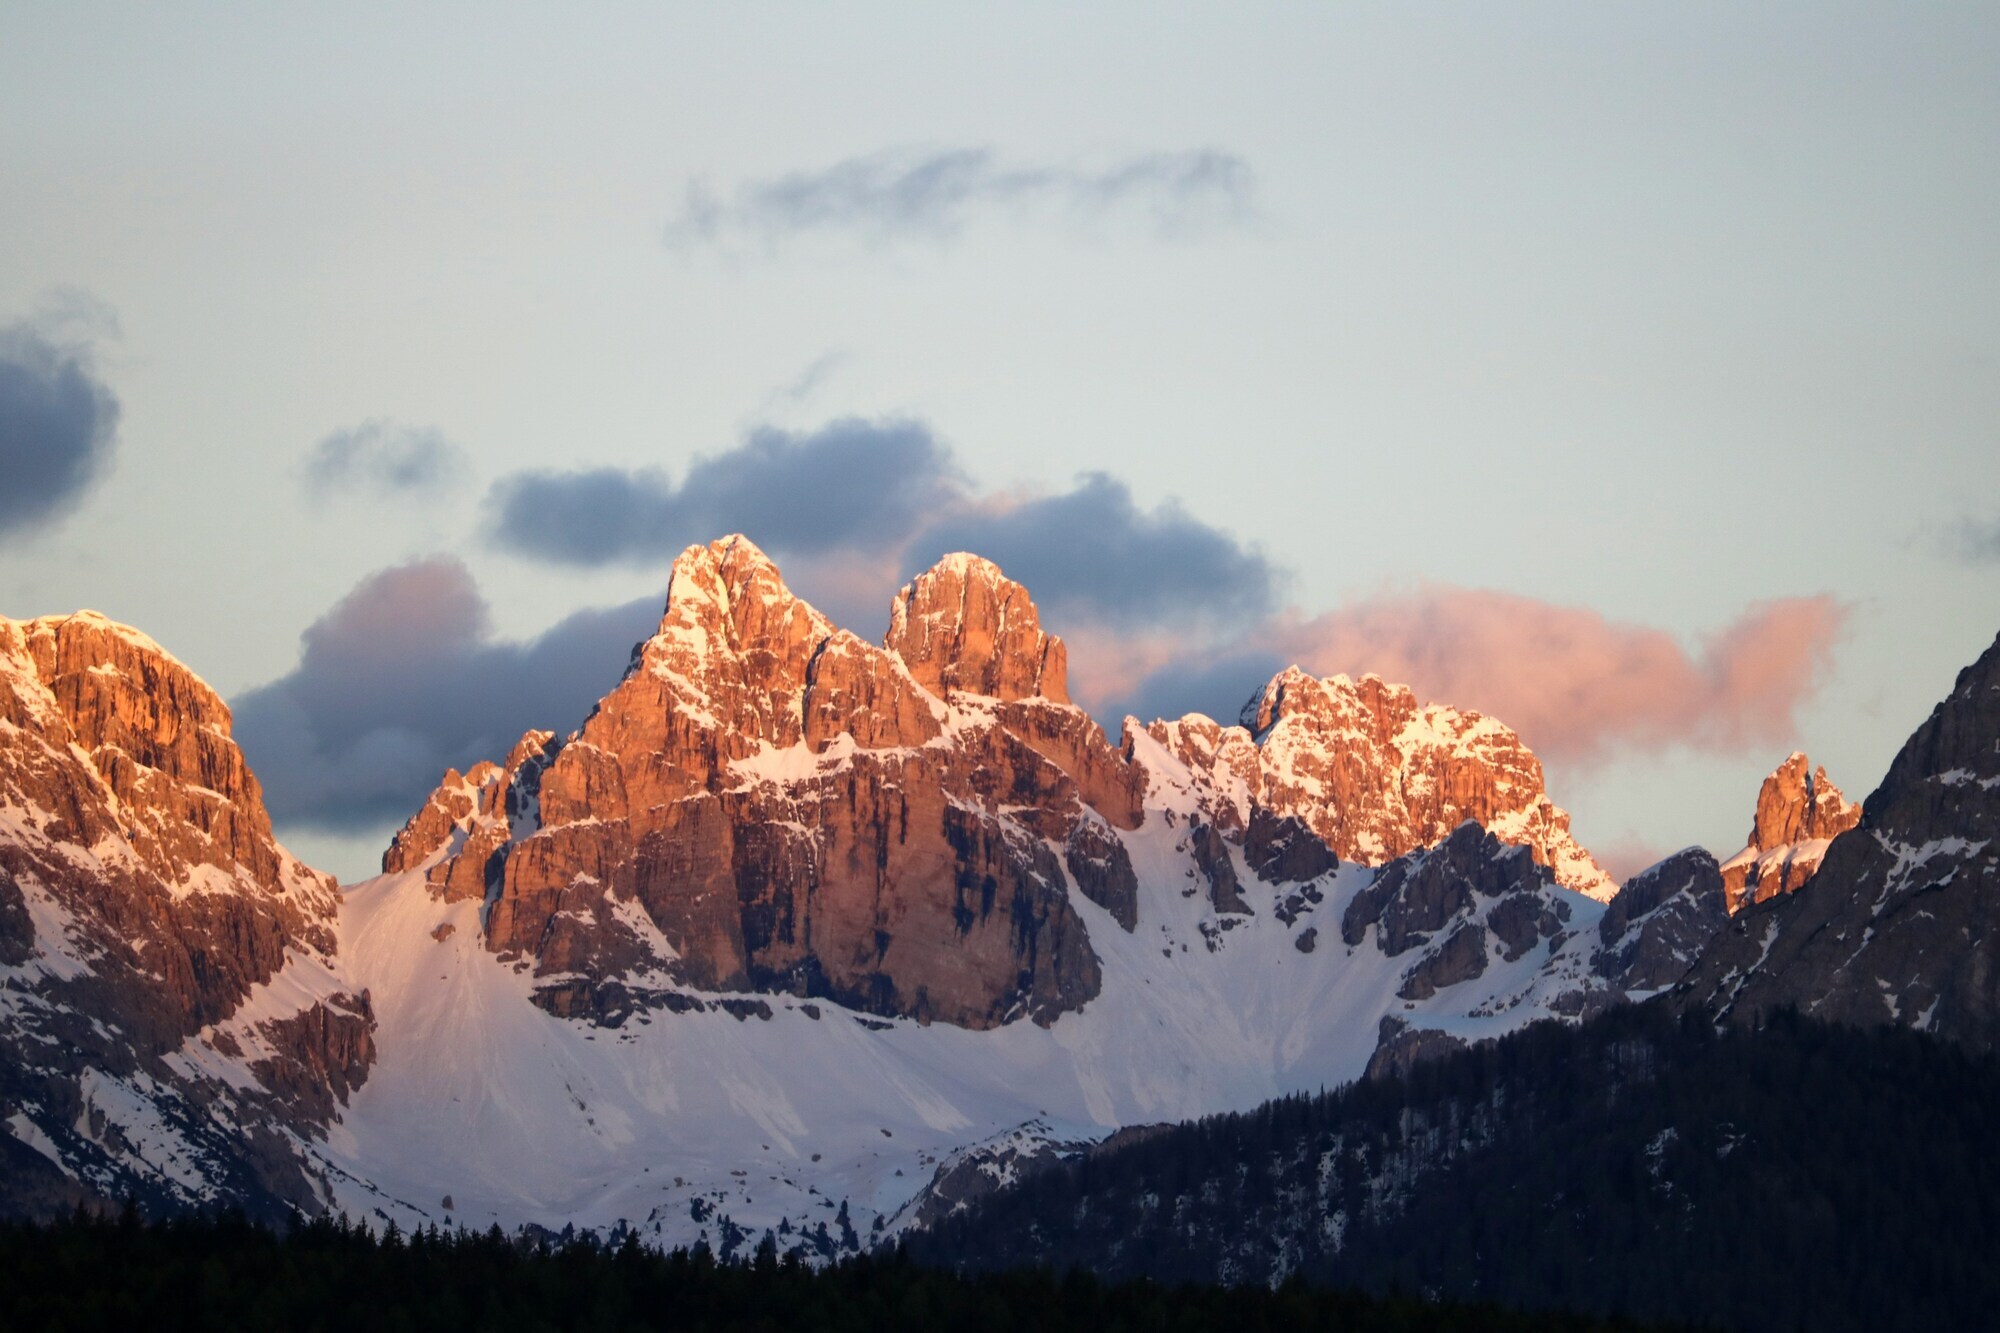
(1574, 684)
(1107, 665)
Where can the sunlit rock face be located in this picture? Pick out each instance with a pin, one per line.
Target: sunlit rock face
(768, 803)
(1799, 814)
(170, 968)
(1898, 923)
(1359, 771)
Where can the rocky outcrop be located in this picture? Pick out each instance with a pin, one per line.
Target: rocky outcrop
(1661, 920)
(1799, 813)
(1359, 771)
(920, 829)
(1469, 877)
(768, 803)
(1400, 1048)
(169, 965)
(964, 628)
(1901, 922)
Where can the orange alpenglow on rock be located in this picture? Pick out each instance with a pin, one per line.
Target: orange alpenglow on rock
(156, 931)
(782, 801)
(768, 803)
(1799, 814)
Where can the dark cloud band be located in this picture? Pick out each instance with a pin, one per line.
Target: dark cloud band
(58, 426)
(851, 485)
(402, 679)
(882, 500)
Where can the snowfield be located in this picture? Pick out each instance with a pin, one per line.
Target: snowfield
(702, 1124)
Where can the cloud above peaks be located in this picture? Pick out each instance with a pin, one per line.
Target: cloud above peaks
(1573, 683)
(936, 194)
(851, 485)
(858, 506)
(402, 679)
(380, 458)
(58, 419)
(1092, 553)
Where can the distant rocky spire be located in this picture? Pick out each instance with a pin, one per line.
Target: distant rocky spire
(1799, 811)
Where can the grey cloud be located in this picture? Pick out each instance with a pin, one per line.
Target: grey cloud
(402, 679)
(1975, 542)
(890, 195)
(58, 420)
(1093, 553)
(865, 503)
(1218, 685)
(853, 485)
(381, 458)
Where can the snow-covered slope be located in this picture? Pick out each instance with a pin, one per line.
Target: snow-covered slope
(721, 1115)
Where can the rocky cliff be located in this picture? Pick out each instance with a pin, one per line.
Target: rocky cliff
(767, 803)
(1799, 814)
(170, 1015)
(1360, 771)
(1901, 922)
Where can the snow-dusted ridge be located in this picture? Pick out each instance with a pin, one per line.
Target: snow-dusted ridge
(693, 1122)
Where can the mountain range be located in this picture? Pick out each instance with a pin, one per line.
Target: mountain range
(801, 934)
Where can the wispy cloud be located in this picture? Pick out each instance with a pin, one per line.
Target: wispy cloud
(58, 419)
(383, 458)
(1974, 541)
(937, 194)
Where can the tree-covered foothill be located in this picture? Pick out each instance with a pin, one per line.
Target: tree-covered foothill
(1798, 1176)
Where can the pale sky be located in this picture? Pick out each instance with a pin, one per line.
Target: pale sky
(1634, 367)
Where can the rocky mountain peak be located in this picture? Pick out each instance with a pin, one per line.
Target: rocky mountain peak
(962, 626)
(1896, 926)
(1372, 773)
(163, 950)
(158, 742)
(1799, 812)
(766, 802)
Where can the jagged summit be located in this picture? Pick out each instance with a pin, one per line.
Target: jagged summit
(766, 801)
(176, 1019)
(963, 626)
(1799, 813)
(1374, 774)
(1897, 924)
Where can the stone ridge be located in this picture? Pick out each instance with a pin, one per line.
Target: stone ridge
(768, 802)
(1799, 813)
(1898, 925)
(765, 802)
(1361, 772)
(144, 909)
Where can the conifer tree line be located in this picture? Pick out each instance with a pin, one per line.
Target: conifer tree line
(1800, 1175)
(90, 1272)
